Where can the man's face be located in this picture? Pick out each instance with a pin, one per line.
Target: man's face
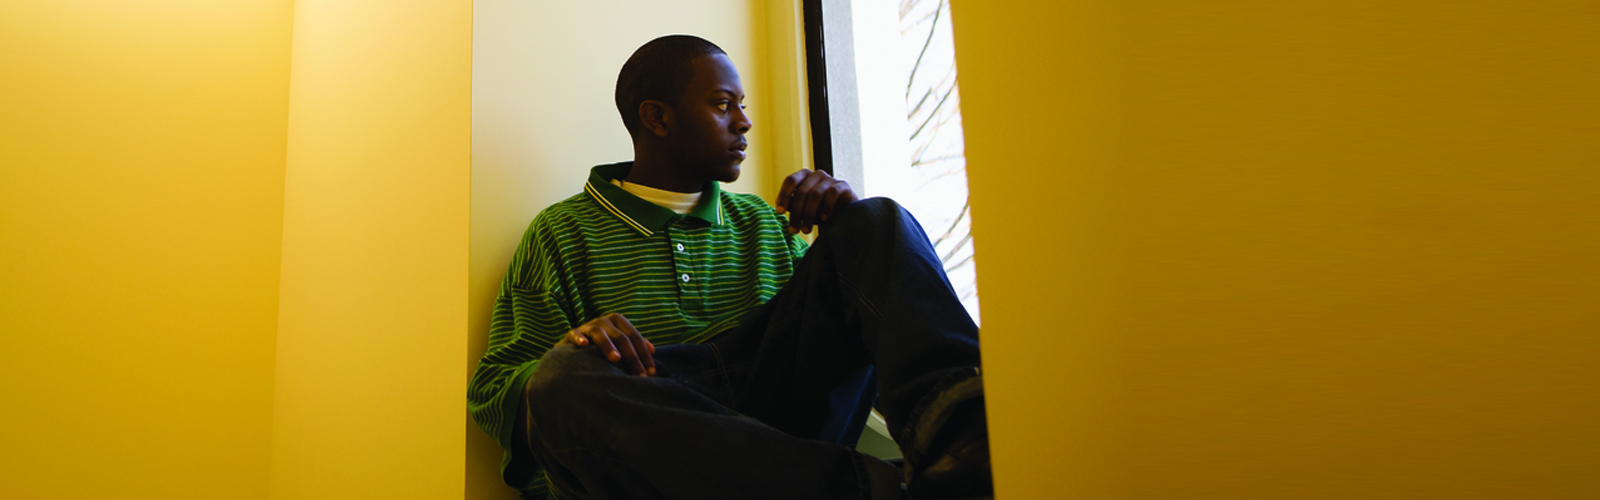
(708, 139)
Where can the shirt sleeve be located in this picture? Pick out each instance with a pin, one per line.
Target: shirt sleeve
(797, 243)
(528, 320)
(797, 248)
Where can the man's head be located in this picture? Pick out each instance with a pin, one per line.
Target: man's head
(680, 98)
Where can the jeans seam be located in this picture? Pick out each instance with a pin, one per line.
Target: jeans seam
(862, 297)
(722, 373)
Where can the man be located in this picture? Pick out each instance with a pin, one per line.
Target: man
(657, 337)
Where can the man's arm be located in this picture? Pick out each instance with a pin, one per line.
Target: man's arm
(525, 324)
(529, 318)
(532, 314)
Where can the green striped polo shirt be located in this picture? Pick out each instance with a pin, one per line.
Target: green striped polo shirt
(679, 279)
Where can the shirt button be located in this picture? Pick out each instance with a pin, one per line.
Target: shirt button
(680, 247)
(686, 278)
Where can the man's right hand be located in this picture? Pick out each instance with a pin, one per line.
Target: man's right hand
(620, 342)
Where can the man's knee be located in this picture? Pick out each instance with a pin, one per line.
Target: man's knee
(558, 367)
(871, 215)
(872, 207)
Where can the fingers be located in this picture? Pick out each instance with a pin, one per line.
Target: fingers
(643, 350)
(803, 208)
(577, 338)
(594, 333)
(787, 191)
(619, 341)
(837, 194)
(627, 359)
(810, 197)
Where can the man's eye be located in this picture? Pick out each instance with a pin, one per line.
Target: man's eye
(722, 106)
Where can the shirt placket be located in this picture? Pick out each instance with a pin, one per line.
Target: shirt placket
(689, 266)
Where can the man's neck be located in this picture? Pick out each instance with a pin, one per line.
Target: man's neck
(660, 174)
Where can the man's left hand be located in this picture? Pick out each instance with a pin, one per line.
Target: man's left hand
(810, 198)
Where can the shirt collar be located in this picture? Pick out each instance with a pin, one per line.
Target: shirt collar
(643, 216)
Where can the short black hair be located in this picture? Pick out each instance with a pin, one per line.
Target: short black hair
(659, 70)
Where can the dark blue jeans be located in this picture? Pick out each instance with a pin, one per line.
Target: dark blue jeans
(772, 407)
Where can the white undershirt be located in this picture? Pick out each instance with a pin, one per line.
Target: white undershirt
(674, 201)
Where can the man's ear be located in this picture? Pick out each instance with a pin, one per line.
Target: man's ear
(656, 117)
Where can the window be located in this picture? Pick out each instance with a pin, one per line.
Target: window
(885, 115)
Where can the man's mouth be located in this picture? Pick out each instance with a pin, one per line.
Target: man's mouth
(737, 151)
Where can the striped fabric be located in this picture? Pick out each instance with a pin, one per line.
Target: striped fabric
(678, 278)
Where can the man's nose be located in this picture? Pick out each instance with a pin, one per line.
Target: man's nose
(742, 124)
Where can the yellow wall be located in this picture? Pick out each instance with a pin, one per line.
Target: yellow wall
(373, 307)
(141, 201)
(542, 114)
(1289, 250)
(1286, 249)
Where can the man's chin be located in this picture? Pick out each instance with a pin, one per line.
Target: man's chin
(730, 175)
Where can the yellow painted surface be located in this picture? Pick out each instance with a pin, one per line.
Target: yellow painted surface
(1287, 249)
(373, 305)
(544, 74)
(141, 201)
(780, 32)
(1263, 250)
